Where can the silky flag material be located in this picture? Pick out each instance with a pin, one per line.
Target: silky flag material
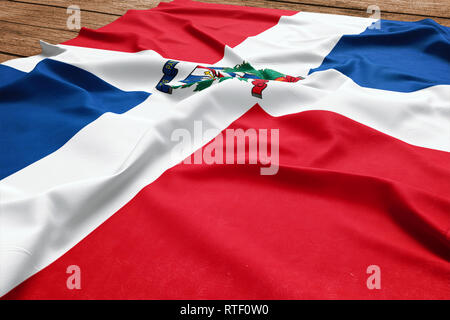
(208, 151)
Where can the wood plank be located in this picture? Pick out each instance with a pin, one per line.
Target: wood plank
(116, 7)
(24, 39)
(5, 57)
(120, 7)
(50, 17)
(432, 8)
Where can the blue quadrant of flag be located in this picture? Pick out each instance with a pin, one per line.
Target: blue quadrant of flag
(41, 110)
(400, 56)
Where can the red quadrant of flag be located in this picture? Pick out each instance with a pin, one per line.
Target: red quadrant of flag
(199, 34)
(345, 197)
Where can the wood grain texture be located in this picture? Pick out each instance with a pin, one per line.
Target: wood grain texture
(49, 17)
(5, 57)
(91, 19)
(23, 40)
(432, 8)
(115, 7)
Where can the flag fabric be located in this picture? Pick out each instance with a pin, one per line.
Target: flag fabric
(344, 175)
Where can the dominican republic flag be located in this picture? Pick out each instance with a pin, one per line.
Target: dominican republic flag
(207, 151)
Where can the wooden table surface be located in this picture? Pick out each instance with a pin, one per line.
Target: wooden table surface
(23, 23)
